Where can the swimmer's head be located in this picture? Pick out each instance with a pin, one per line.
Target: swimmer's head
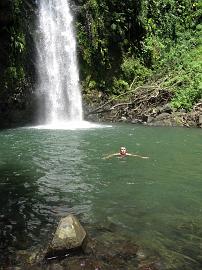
(123, 150)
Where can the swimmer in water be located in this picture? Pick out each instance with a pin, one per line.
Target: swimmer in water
(123, 153)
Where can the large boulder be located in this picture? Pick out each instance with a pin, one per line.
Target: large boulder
(69, 236)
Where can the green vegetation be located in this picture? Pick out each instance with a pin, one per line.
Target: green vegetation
(180, 63)
(124, 44)
(15, 76)
(184, 74)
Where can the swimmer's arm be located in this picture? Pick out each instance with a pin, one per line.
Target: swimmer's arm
(133, 155)
(112, 155)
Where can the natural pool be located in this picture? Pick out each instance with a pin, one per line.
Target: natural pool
(46, 174)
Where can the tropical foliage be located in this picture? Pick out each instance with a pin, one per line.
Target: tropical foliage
(121, 42)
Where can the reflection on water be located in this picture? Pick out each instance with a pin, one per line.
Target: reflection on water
(46, 174)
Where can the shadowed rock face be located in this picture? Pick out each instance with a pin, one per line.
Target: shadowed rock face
(5, 20)
(4, 3)
(69, 236)
(5, 16)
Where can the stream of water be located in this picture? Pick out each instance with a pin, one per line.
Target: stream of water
(58, 86)
(46, 174)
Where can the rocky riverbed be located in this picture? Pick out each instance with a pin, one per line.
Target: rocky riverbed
(105, 250)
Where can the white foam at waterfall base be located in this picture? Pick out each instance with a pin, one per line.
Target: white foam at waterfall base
(72, 125)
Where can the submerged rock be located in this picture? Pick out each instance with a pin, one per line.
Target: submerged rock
(69, 236)
(85, 264)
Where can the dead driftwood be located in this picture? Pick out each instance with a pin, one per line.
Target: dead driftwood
(138, 100)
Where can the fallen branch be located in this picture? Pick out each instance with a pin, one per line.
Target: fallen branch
(112, 108)
(121, 104)
(147, 87)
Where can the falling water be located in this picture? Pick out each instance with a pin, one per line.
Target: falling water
(58, 85)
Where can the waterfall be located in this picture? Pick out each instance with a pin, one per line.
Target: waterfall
(58, 85)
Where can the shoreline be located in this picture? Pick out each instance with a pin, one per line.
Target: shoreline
(151, 108)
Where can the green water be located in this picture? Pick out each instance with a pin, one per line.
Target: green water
(46, 174)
